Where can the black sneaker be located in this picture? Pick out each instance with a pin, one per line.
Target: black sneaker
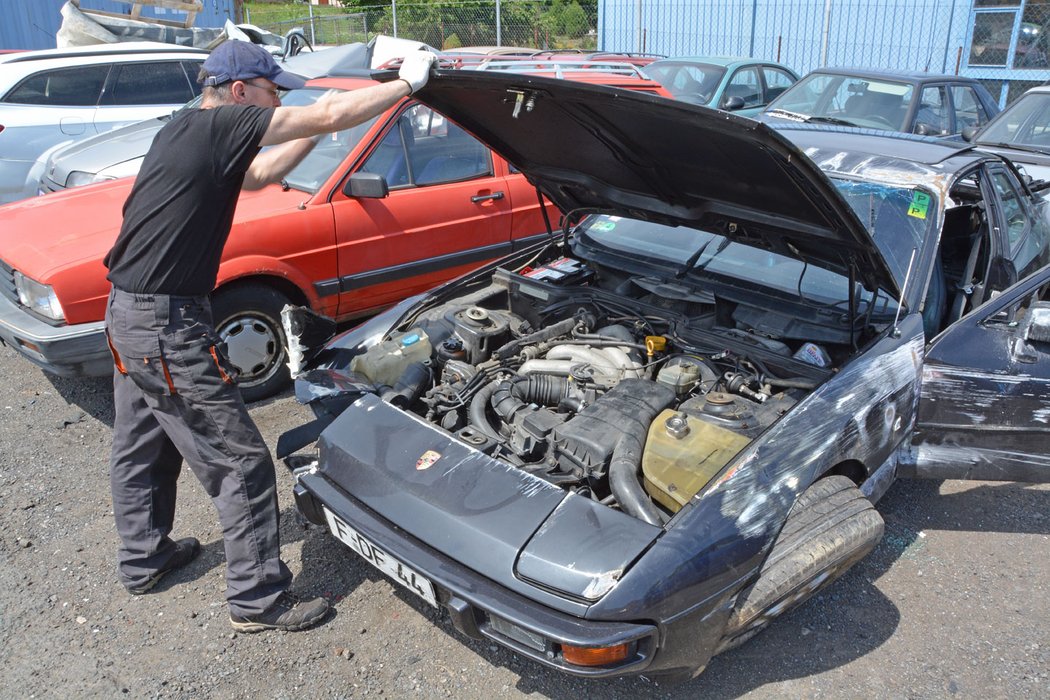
(186, 550)
(287, 613)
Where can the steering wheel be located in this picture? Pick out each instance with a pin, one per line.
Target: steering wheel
(879, 119)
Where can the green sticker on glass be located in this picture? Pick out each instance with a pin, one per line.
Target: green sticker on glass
(920, 203)
(603, 226)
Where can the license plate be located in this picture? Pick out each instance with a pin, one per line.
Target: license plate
(375, 556)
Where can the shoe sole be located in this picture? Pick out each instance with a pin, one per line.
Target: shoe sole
(263, 627)
(148, 586)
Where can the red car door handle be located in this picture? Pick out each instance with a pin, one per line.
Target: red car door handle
(482, 197)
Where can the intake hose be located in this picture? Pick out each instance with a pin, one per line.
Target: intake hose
(477, 415)
(648, 399)
(512, 395)
(409, 386)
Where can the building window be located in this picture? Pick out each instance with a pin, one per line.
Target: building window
(1011, 34)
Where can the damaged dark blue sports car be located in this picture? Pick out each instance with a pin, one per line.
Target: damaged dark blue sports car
(629, 447)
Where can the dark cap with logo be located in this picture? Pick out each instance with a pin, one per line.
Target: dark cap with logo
(243, 60)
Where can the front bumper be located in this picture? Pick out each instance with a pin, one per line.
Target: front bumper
(473, 602)
(69, 351)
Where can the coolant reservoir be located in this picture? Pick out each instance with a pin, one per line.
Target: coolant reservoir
(682, 454)
(384, 363)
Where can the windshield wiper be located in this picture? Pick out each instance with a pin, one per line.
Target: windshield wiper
(830, 120)
(1017, 147)
(688, 264)
(797, 116)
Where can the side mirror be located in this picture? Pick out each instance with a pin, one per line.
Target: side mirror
(732, 103)
(969, 132)
(1037, 329)
(923, 129)
(367, 186)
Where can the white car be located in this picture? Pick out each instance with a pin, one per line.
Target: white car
(64, 95)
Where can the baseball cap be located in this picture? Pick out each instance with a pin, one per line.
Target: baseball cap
(243, 60)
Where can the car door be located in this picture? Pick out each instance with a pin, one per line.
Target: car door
(776, 80)
(446, 212)
(62, 97)
(967, 108)
(984, 407)
(141, 90)
(746, 84)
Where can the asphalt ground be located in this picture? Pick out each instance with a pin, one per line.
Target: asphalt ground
(955, 601)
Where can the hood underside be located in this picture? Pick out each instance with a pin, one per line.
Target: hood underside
(646, 157)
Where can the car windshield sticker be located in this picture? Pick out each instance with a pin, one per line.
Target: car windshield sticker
(427, 460)
(920, 202)
(603, 226)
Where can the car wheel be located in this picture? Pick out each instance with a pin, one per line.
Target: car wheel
(831, 527)
(248, 320)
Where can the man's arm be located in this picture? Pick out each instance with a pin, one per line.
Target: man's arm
(274, 163)
(341, 111)
(333, 113)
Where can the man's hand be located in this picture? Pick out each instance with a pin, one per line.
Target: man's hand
(415, 69)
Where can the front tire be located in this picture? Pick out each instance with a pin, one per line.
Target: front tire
(831, 527)
(248, 320)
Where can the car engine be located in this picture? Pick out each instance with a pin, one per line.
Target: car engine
(630, 391)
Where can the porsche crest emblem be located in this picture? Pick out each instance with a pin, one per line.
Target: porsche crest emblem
(427, 460)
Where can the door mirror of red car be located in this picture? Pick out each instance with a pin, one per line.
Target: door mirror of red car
(368, 185)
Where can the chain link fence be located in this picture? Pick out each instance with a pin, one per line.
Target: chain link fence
(445, 25)
(1004, 43)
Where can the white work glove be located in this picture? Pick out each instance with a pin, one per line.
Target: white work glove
(415, 69)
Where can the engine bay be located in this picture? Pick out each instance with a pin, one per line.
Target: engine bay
(634, 392)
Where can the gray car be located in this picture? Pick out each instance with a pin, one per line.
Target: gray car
(119, 153)
(1021, 133)
(633, 445)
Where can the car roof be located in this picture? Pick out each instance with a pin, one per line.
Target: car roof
(723, 61)
(899, 76)
(100, 50)
(897, 151)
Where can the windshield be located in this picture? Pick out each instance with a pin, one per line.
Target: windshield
(328, 154)
(898, 219)
(1026, 122)
(840, 99)
(689, 82)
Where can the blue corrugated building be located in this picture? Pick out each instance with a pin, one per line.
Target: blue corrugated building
(31, 24)
(1002, 42)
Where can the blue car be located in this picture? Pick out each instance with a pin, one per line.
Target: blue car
(741, 85)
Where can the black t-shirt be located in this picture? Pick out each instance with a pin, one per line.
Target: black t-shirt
(179, 213)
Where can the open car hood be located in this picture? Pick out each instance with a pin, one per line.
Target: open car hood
(655, 159)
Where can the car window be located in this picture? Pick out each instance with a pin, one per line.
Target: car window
(877, 104)
(65, 87)
(745, 84)
(148, 83)
(897, 218)
(933, 110)
(330, 151)
(424, 148)
(1026, 122)
(691, 82)
(1013, 209)
(968, 108)
(777, 81)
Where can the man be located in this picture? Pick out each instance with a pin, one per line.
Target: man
(174, 391)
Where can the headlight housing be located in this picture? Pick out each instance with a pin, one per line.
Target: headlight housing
(79, 178)
(38, 298)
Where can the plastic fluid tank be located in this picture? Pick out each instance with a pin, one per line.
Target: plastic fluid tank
(385, 362)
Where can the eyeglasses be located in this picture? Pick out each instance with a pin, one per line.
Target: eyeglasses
(274, 92)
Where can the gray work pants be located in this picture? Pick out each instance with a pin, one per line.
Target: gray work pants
(175, 399)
